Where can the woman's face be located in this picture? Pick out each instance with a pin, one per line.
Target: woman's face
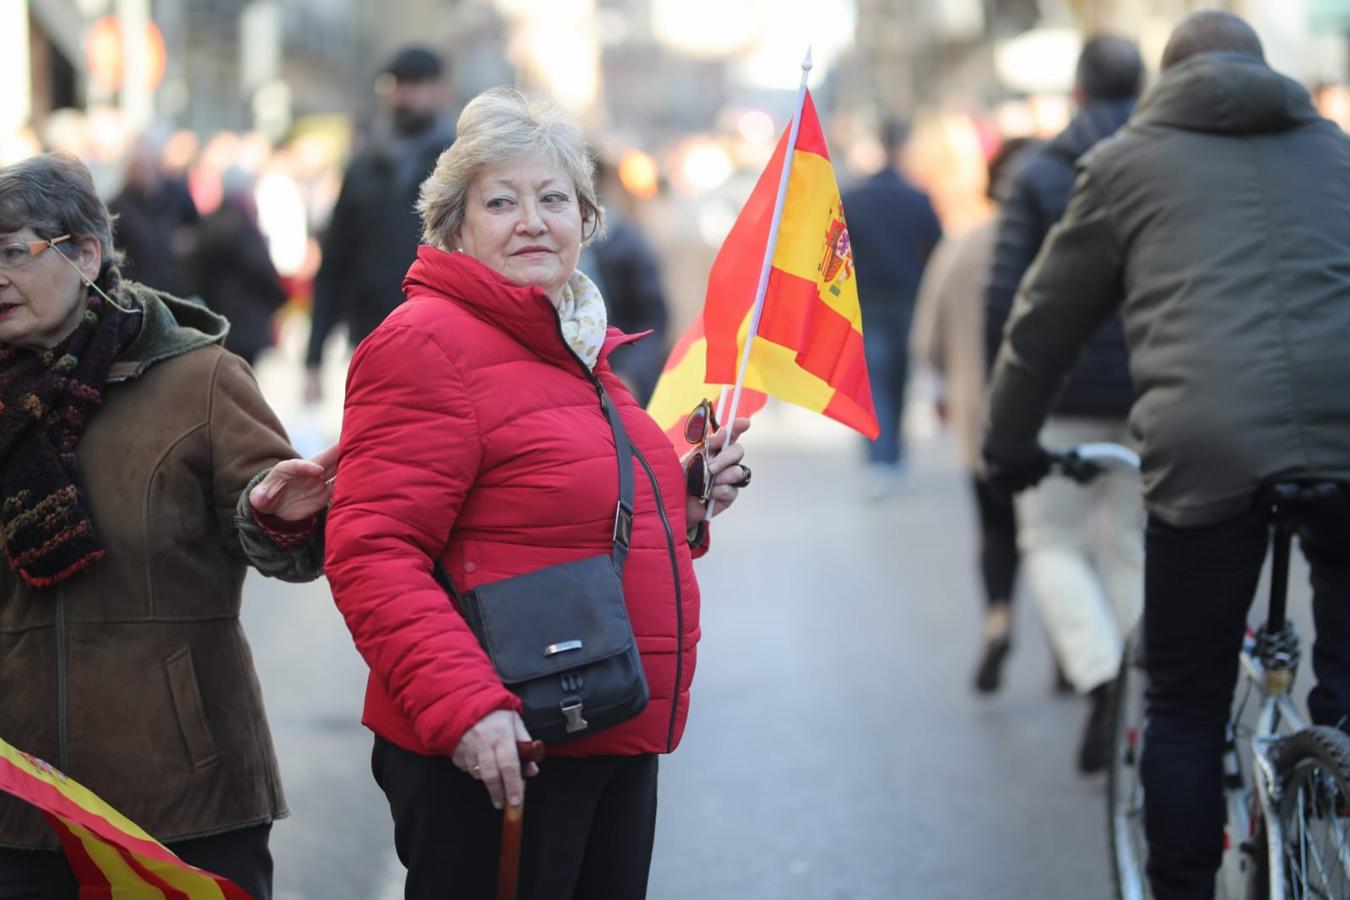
(522, 218)
(43, 297)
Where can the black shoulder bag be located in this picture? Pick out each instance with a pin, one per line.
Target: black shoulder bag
(559, 637)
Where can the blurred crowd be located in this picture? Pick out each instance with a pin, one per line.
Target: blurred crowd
(239, 221)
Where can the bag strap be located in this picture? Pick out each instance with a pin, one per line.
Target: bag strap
(623, 513)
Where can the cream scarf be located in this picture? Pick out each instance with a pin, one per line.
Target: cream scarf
(581, 310)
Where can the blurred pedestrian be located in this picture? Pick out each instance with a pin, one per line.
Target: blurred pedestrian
(232, 271)
(1082, 545)
(142, 473)
(477, 437)
(628, 274)
(156, 221)
(1218, 222)
(948, 335)
(374, 231)
(893, 229)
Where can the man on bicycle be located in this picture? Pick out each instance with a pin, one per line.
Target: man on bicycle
(1218, 223)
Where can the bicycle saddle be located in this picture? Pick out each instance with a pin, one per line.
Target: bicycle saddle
(1296, 503)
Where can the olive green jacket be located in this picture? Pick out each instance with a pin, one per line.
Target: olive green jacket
(134, 676)
(1218, 222)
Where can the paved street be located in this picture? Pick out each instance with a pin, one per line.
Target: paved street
(834, 748)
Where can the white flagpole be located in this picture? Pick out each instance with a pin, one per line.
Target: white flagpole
(769, 249)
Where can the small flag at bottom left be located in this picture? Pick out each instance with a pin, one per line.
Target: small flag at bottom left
(113, 858)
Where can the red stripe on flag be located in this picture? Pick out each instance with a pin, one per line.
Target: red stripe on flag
(93, 882)
(861, 418)
(149, 877)
(735, 272)
(810, 136)
(827, 344)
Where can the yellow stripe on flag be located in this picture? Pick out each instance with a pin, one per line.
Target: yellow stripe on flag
(680, 388)
(773, 370)
(126, 884)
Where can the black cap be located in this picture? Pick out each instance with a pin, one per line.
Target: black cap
(415, 64)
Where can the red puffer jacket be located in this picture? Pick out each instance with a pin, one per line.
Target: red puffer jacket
(473, 435)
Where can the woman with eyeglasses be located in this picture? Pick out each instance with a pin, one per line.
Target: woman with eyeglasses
(475, 438)
(141, 472)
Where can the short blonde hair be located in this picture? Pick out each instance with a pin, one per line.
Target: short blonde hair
(498, 124)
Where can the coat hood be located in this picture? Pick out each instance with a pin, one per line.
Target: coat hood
(522, 311)
(1096, 121)
(1226, 93)
(171, 328)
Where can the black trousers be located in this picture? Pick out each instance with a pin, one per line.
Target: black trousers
(240, 855)
(589, 826)
(1199, 584)
(998, 542)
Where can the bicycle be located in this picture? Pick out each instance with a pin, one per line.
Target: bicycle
(1287, 833)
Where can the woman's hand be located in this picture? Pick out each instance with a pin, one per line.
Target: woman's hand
(296, 489)
(488, 752)
(726, 469)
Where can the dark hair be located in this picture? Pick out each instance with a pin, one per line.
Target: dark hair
(54, 194)
(894, 134)
(1211, 31)
(1110, 68)
(1003, 162)
(415, 64)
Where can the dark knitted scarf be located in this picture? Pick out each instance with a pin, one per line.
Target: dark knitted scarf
(46, 399)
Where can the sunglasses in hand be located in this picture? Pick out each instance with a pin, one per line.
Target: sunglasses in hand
(699, 428)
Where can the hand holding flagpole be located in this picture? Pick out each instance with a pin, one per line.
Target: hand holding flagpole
(767, 266)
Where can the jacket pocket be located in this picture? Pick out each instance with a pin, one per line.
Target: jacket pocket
(189, 708)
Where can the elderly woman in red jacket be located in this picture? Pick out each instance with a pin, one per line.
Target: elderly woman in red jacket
(473, 437)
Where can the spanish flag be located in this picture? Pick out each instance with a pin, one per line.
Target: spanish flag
(111, 856)
(808, 346)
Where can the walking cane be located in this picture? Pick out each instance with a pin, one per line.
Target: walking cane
(513, 817)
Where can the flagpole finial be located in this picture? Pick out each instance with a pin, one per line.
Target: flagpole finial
(806, 63)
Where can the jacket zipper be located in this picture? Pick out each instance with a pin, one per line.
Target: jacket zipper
(62, 751)
(665, 523)
(679, 598)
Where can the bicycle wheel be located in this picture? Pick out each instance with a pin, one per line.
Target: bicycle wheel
(1313, 773)
(1124, 789)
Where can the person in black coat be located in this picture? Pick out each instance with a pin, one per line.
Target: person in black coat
(627, 271)
(155, 222)
(1082, 545)
(374, 232)
(233, 273)
(893, 229)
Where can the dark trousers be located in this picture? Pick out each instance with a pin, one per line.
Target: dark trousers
(1199, 586)
(887, 354)
(589, 826)
(998, 542)
(240, 855)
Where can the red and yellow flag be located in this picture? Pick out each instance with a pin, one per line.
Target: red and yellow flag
(111, 856)
(809, 345)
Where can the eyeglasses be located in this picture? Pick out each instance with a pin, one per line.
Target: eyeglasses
(13, 256)
(698, 477)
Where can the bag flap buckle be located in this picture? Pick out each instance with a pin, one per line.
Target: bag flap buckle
(571, 709)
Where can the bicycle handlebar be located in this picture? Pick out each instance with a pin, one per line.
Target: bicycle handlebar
(1086, 461)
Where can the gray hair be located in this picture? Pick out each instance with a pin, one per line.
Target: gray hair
(54, 194)
(496, 125)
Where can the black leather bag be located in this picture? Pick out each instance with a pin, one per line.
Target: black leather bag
(559, 637)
